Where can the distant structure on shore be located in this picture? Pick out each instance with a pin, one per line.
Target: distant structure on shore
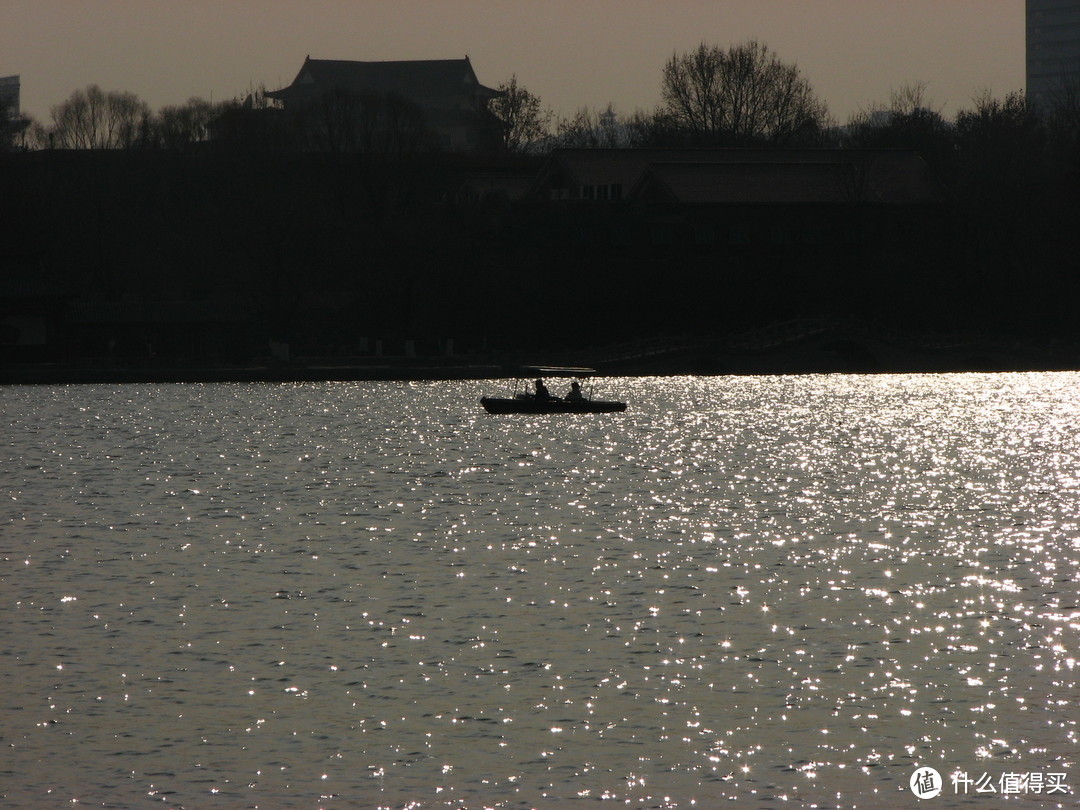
(1053, 49)
(446, 91)
(11, 121)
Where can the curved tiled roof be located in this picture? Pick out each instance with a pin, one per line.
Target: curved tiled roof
(420, 80)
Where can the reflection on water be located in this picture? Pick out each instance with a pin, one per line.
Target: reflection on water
(777, 591)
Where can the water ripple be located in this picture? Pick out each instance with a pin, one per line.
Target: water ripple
(765, 590)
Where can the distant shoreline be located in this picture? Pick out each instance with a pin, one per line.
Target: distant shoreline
(123, 374)
(791, 361)
(798, 347)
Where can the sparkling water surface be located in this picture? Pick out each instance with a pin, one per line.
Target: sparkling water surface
(764, 592)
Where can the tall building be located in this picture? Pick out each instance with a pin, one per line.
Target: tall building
(1053, 48)
(11, 121)
(9, 97)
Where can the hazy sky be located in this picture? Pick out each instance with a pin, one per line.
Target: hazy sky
(572, 53)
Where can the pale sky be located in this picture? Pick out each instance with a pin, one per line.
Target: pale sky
(571, 53)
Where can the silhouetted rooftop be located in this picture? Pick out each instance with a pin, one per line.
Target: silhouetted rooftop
(420, 80)
(702, 175)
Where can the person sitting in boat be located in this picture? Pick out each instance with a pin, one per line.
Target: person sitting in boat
(574, 394)
(541, 391)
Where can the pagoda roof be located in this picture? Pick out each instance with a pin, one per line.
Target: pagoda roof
(412, 79)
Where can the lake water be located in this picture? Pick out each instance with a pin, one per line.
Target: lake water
(749, 592)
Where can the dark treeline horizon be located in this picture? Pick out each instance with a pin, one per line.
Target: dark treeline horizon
(325, 246)
(742, 95)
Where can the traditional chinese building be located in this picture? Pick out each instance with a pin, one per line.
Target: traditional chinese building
(452, 100)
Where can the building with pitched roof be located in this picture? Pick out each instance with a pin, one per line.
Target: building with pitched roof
(803, 224)
(446, 91)
(714, 175)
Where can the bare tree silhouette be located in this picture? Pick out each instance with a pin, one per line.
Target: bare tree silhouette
(526, 124)
(740, 96)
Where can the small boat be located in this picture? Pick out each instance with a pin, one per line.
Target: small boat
(539, 401)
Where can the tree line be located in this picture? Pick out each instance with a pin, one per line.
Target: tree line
(745, 95)
(93, 118)
(350, 210)
(741, 95)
